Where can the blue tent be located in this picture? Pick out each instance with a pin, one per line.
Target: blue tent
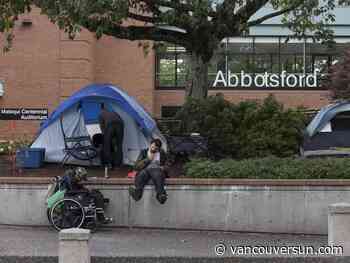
(78, 116)
(105, 92)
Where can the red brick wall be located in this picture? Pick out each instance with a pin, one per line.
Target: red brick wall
(77, 62)
(42, 67)
(30, 71)
(124, 64)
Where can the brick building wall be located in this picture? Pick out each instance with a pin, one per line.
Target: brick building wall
(124, 64)
(30, 72)
(44, 67)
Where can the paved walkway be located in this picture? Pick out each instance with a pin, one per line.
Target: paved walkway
(123, 242)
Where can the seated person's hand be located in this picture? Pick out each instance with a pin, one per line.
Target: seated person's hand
(151, 156)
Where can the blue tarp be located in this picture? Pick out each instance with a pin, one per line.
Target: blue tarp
(105, 93)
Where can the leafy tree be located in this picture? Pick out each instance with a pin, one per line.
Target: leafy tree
(197, 25)
(338, 78)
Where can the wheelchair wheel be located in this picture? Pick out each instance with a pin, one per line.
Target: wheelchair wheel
(67, 213)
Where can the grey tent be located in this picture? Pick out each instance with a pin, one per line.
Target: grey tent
(329, 131)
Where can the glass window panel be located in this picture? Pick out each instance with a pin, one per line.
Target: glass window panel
(275, 60)
(266, 48)
(266, 52)
(166, 66)
(263, 63)
(217, 63)
(237, 63)
(292, 46)
(298, 64)
(308, 62)
(287, 63)
(183, 69)
(240, 45)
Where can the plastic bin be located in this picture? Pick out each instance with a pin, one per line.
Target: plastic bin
(30, 157)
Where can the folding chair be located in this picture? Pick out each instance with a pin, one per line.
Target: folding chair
(80, 148)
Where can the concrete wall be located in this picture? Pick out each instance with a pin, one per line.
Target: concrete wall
(4, 259)
(220, 260)
(276, 209)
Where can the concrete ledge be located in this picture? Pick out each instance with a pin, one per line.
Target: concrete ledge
(13, 259)
(189, 181)
(4, 259)
(243, 208)
(74, 234)
(339, 208)
(221, 260)
(339, 226)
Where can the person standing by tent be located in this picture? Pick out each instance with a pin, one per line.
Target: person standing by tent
(150, 165)
(112, 127)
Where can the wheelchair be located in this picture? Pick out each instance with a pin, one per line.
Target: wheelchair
(73, 208)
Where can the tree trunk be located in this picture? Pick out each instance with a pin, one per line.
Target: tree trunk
(198, 84)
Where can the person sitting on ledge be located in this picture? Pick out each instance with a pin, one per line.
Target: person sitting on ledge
(150, 165)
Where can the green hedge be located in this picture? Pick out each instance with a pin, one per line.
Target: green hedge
(245, 130)
(270, 168)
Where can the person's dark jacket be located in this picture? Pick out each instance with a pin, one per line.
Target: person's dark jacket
(107, 117)
(142, 161)
(70, 183)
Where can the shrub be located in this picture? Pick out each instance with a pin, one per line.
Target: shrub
(270, 168)
(10, 147)
(244, 130)
(338, 78)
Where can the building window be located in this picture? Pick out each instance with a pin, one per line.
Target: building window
(172, 67)
(254, 56)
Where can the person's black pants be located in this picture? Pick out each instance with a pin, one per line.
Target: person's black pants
(145, 175)
(99, 202)
(112, 150)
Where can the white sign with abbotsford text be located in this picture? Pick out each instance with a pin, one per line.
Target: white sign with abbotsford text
(266, 80)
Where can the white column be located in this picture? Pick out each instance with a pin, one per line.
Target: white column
(339, 226)
(74, 246)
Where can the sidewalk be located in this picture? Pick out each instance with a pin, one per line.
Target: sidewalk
(123, 242)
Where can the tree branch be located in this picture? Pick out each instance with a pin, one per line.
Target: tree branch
(274, 14)
(250, 8)
(179, 6)
(144, 33)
